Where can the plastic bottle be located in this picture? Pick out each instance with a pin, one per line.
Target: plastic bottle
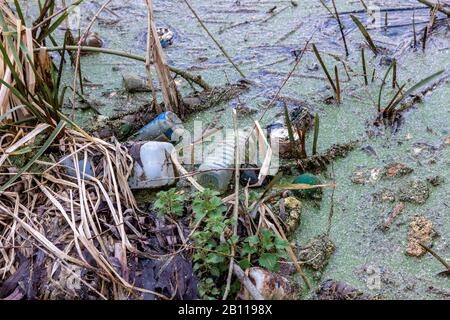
(166, 127)
(70, 168)
(220, 157)
(153, 167)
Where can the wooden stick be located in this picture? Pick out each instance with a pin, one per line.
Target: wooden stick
(434, 254)
(246, 282)
(148, 60)
(236, 201)
(442, 8)
(197, 80)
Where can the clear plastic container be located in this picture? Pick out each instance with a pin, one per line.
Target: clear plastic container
(153, 167)
(85, 170)
(217, 168)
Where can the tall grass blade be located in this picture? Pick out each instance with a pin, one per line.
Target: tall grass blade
(414, 30)
(424, 40)
(382, 86)
(417, 86)
(38, 154)
(338, 85)
(365, 34)
(327, 8)
(316, 133)
(363, 57)
(341, 27)
(19, 11)
(394, 74)
(390, 107)
(316, 52)
(290, 129)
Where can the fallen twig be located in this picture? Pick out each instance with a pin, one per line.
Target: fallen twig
(236, 201)
(442, 8)
(434, 254)
(395, 212)
(246, 282)
(186, 75)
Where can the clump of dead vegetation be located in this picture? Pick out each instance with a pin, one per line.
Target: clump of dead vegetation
(64, 198)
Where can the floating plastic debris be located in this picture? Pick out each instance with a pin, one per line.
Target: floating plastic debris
(165, 36)
(166, 127)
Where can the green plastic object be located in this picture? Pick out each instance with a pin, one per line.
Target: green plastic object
(310, 180)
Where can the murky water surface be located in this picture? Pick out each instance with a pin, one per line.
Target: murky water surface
(263, 41)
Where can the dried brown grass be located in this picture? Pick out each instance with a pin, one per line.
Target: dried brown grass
(79, 222)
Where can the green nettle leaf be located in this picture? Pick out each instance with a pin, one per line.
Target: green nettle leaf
(214, 271)
(178, 209)
(269, 261)
(196, 266)
(168, 202)
(252, 240)
(281, 244)
(234, 239)
(158, 204)
(267, 239)
(247, 249)
(224, 248)
(215, 258)
(211, 243)
(244, 264)
(218, 228)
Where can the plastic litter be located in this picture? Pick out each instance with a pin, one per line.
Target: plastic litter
(153, 166)
(309, 180)
(165, 36)
(278, 134)
(216, 170)
(249, 176)
(166, 127)
(70, 168)
(134, 83)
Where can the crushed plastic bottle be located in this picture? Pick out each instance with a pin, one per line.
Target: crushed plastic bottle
(153, 166)
(217, 169)
(311, 180)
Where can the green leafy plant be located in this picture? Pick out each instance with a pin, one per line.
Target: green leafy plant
(268, 247)
(213, 242)
(169, 203)
(211, 252)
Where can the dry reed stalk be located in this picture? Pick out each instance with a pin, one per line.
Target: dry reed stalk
(78, 55)
(148, 60)
(63, 214)
(169, 90)
(23, 70)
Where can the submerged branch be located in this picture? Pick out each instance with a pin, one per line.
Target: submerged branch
(440, 7)
(196, 79)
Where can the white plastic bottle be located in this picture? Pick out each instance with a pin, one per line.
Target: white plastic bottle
(153, 167)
